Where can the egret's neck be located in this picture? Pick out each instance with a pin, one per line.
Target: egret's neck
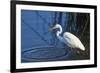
(60, 31)
(58, 34)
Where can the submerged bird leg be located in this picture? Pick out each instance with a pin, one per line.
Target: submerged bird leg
(71, 49)
(75, 51)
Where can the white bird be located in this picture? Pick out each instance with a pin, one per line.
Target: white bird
(68, 38)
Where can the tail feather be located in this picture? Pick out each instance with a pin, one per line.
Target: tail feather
(82, 47)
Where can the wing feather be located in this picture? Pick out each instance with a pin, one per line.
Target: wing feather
(72, 41)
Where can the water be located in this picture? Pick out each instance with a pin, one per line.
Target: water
(38, 44)
(45, 54)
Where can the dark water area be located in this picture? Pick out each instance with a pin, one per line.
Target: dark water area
(38, 44)
(45, 54)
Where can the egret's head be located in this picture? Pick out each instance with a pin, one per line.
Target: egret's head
(54, 27)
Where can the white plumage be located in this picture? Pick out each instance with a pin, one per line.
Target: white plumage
(68, 38)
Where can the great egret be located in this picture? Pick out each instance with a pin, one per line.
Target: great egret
(68, 38)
